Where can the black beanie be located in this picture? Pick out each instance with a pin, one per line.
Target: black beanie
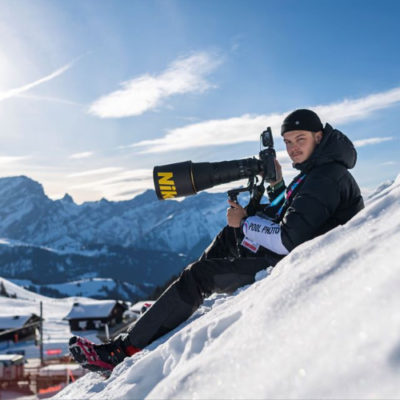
(301, 120)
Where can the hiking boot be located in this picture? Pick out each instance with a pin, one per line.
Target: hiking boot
(100, 358)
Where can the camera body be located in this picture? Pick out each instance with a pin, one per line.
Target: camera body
(268, 155)
(188, 178)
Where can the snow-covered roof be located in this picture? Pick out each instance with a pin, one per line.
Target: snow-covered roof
(98, 309)
(10, 358)
(62, 369)
(13, 321)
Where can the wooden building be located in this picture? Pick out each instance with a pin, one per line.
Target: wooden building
(95, 315)
(11, 368)
(18, 327)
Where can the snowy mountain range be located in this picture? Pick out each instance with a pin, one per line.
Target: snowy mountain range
(29, 216)
(323, 324)
(142, 241)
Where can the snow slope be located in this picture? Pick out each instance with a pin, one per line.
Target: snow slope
(324, 323)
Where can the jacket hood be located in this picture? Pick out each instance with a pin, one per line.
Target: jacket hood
(335, 146)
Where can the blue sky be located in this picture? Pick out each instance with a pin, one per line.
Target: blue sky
(93, 94)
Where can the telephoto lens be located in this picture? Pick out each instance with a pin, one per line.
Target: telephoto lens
(187, 178)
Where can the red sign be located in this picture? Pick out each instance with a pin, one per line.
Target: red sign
(53, 352)
(51, 389)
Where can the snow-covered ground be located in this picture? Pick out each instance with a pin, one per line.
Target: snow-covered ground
(324, 323)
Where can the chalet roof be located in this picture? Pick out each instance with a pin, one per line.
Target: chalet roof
(11, 358)
(98, 309)
(61, 369)
(13, 321)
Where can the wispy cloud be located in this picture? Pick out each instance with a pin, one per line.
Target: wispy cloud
(4, 160)
(185, 75)
(247, 128)
(49, 99)
(349, 110)
(22, 89)
(78, 156)
(369, 141)
(120, 185)
(99, 171)
(390, 163)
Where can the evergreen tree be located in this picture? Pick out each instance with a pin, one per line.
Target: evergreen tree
(3, 291)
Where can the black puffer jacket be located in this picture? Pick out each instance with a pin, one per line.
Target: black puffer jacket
(328, 196)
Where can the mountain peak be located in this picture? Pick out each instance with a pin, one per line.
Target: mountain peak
(67, 198)
(147, 196)
(21, 186)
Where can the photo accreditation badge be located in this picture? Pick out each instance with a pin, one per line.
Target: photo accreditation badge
(249, 244)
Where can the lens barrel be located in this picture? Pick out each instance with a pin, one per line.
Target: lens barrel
(187, 178)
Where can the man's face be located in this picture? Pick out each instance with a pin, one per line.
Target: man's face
(301, 144)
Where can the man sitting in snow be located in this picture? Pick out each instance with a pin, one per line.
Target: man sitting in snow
(322, 196)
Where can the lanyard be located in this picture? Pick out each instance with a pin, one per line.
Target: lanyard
(289, 193)
(278, 199)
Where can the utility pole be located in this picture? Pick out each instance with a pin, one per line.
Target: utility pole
(107, 331)
(41, 334)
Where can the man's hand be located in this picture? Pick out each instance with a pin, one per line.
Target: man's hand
(279, 176)
(235, 214)
(278, 170)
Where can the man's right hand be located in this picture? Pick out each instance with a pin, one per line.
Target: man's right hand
(279, 176)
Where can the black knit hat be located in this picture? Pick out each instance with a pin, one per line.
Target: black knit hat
(301, 120)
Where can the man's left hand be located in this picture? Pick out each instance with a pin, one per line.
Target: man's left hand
(235, 214)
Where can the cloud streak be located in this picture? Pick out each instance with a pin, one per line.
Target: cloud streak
(349, 110)
(4, 160)
(119, 185)
(49, 99)
(99, 171)
(369, 141)
(146, 92)
(22, 89)
(78, 156)
(247, 128)
(389, 163)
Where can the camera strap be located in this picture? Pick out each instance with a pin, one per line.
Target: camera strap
(291, 190)
(278, 199)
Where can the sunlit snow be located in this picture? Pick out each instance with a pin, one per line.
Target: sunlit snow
(324, 323)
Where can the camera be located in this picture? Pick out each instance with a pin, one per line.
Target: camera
(188, 178)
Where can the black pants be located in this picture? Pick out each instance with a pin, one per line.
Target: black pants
(218, 270)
